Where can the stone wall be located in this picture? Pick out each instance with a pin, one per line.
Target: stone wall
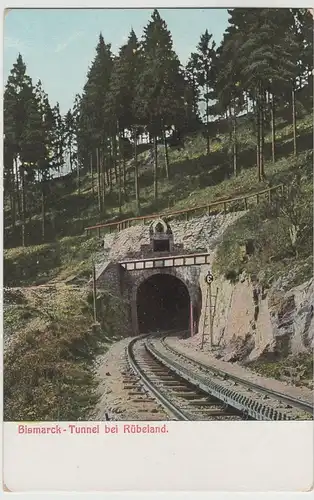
(189, 275)
(112, 278)
(200, 234)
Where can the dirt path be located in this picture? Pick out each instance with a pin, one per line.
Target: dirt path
(115, 398)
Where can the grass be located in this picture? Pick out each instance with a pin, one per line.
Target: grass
(38, 264)
(294, 369)
(260, 243)
(49, 365)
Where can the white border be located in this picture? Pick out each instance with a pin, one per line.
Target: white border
(293, 456)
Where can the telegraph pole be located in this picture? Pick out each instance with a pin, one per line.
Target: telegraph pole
(210, 314)
(208, 279)
(94, 293)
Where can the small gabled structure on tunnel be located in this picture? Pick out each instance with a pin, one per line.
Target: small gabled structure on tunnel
(161, 237)
(161, 240)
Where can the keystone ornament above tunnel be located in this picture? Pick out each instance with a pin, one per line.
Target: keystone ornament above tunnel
(161, 285)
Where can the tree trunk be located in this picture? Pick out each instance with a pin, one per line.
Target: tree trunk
(118, 157)
(207, 130)
(294, 122)
(273, 128)
(114, 157)
(12, 206)
(155, 169)
(166, 153)
(98, 180)
(71, 159)
(235, 145)
(258, 140)
(110, 171)
(262, 135)
(78, 176)
(23, 204)
(19, 210)
(122, 151)
(92, 172)
(107, 170)
(229, 118)
(137, 197)
(43, 211)
(103, 178)
(12, 193)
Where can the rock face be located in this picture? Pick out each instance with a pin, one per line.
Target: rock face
(292, 318)
(250, 323)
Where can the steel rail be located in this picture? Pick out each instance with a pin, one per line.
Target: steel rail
(172, 409)
(298, 403)
(248, 406)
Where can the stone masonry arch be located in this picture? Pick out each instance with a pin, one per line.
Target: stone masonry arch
(185, 274)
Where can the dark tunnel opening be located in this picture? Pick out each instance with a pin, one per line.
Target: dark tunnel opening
(163, 303)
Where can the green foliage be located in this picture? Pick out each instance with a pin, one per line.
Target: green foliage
(145, 89)
(160, 85)
(49, 366)
(289, 218)
(37, 264)
(296, 369)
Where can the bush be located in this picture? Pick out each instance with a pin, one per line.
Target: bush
(48, 369)
(280, 234)
(39, 263)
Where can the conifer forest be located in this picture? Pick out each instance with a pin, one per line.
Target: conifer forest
(261, 69)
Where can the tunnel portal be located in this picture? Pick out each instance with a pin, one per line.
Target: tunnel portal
(163, 303)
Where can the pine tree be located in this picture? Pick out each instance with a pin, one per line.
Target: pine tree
(228, 91)
(192, 92)
(46, 122)
(69, 136)
(14, 121)
(119, 102)
(266, 58)
(205, 57)
(77, 154)
(93, 124)
(160, 86)
(23, 134)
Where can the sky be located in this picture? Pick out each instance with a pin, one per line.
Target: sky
(58, 45)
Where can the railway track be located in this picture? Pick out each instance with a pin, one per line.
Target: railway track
(180, 399)
(248, 398)
(289, 401)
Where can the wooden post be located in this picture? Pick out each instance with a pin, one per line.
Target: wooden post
(245, 203)
(269, 195)
(208, 210)
(210, 315)
(225, 207)
(94, 293)
(204, 320)
(187, 216)
(191, 319)
(257, 199)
